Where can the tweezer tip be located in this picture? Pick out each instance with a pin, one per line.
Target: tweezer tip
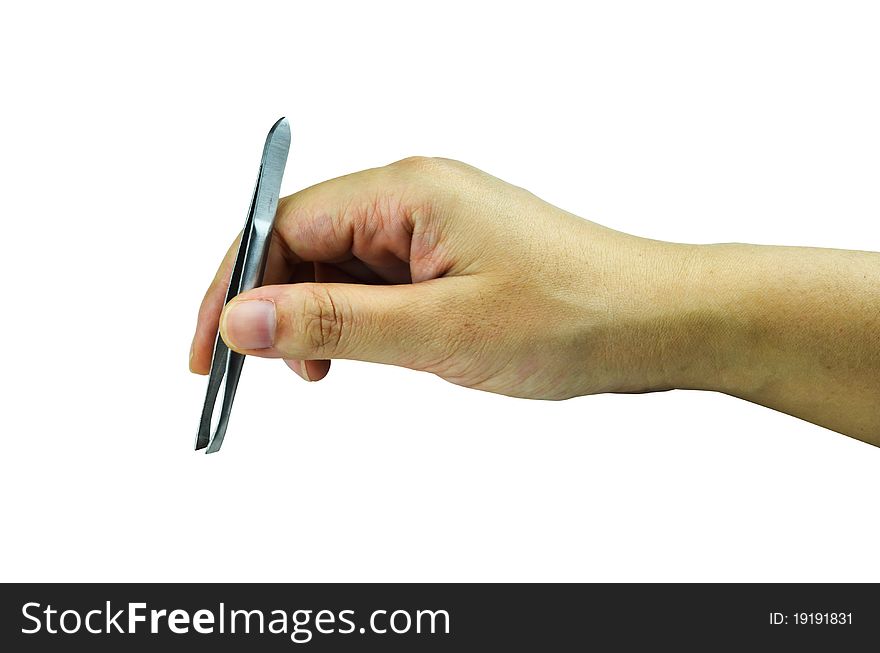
(280, 124)
(207, 446)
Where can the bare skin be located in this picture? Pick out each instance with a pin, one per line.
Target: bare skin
(434, 265)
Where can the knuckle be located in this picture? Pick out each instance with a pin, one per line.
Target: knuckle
(323, 322)
(424, 179)
(424, 165)
(413, 163)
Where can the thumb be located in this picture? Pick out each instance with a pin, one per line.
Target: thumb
(406, 325)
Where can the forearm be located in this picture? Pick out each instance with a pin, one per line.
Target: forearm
(795, 329)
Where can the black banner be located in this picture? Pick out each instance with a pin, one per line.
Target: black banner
(435, 617)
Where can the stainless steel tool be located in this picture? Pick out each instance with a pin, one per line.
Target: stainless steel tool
(247, 273)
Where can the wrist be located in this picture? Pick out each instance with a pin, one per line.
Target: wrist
(689, 322)
(715, 318)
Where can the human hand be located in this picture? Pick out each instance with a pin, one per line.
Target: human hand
(433, 265)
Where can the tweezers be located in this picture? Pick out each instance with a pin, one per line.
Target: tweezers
(247, 273)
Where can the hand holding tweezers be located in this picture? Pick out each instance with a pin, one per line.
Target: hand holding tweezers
(247, 273)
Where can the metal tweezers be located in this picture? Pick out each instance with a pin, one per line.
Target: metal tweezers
(247, 273)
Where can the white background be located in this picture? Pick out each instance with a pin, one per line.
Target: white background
(129, 144)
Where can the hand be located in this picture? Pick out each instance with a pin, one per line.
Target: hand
(433, 265)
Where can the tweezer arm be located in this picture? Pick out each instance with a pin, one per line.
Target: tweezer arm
(225, 365)
(247, 273)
